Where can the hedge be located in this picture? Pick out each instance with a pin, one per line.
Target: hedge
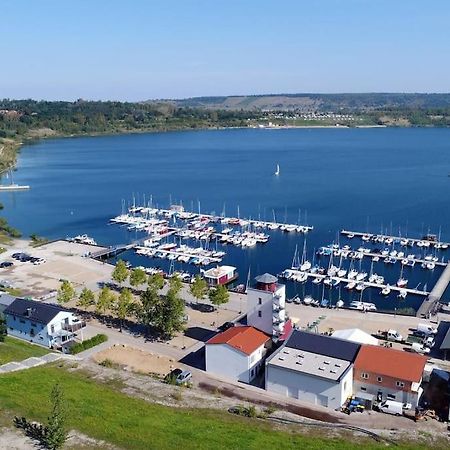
(88, 343)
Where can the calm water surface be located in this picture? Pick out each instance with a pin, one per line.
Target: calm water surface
(395, 180)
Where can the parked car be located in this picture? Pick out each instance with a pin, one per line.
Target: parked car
(427, 329)
(419, 348)
(6, 264)
(391, 407)
(225, 326)
(178, 376)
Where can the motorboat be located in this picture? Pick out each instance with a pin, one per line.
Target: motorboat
(375, 258)
(361, 276)
(352, 274)
(317, 280)
(339, 304)
(350, 285)
(360, 286)
(341, 273)
(308, 300)
(362, 306)
(402, 294)
(402, 282)
(386, 290)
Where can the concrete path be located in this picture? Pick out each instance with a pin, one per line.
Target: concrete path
(34, 362)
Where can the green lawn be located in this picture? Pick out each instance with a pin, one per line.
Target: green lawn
(17, 350)
(103, 413)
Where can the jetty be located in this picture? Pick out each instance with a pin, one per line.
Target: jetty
(430, 305)
(360, 234)
(365, 283)
(360, 253)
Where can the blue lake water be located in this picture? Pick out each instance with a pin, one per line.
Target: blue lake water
(395, 180)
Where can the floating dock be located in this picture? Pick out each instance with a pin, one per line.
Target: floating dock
(429, 306)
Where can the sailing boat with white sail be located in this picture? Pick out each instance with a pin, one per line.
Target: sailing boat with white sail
(277, 172)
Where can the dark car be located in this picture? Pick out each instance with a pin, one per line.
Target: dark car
(225, 326)
(5, 264)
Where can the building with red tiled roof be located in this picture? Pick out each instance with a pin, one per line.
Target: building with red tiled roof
(389, 374)
(237, 353)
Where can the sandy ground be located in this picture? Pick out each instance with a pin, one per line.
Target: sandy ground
(64, 260)
(137, 360)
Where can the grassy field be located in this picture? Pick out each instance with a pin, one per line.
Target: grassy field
(16, 350)
(99, 411)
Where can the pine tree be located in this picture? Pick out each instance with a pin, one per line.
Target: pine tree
(55, 433)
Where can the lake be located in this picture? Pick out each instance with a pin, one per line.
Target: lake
(390, 180)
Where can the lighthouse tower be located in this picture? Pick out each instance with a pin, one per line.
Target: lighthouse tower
(266, 305)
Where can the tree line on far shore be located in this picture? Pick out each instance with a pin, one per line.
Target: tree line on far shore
(162, 313)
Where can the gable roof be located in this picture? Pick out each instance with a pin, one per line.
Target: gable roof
(34, 311)
(355, 335)
(244, 339)
(323, 345)
(391, 363)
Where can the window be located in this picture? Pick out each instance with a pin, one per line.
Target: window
(365, 376)
(259, 313)
(391, 397)
(379, 379)
(33, 324)
(400, 384)
(14, 318)
(22, 321)
(362, 388)
(52, 329)
(345, 386)
(259, 301)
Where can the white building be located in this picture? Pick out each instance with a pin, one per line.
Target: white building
(355, 335)
(313, 368)
(237, 353)
(266, 305)
(42, 323)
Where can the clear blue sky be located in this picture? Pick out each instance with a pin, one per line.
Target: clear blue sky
(136, 49)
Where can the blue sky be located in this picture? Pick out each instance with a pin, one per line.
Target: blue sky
(136, 49)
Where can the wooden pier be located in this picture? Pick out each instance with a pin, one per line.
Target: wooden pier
(397, 238)
(366, 283)
(429, 306)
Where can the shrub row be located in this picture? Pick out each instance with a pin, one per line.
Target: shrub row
(88, 343)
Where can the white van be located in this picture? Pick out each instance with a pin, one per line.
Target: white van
(419, 348)
(394, 335)
(391, 407)
(427, 329)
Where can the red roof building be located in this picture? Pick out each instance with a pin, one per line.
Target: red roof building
(389, 374)
(237, 353)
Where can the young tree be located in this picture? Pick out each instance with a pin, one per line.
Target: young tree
(175, 284)
(105, 301)
(55, 434)
(120, 272)
(219, 295)
(156, 281)
(3, 329)
(137, 277)
(123, 306)
(86, 298)
(199, 288)
(66, 292)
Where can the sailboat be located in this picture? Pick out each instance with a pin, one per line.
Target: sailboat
(13, 186)
(277, 172)
(305, 264)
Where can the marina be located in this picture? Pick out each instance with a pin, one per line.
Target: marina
(328, 176)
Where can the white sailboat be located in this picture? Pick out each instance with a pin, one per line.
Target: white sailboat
(277, 172)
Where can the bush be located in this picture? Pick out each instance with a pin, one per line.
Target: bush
(89, 343)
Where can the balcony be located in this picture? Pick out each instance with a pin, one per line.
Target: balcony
(73, 327)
